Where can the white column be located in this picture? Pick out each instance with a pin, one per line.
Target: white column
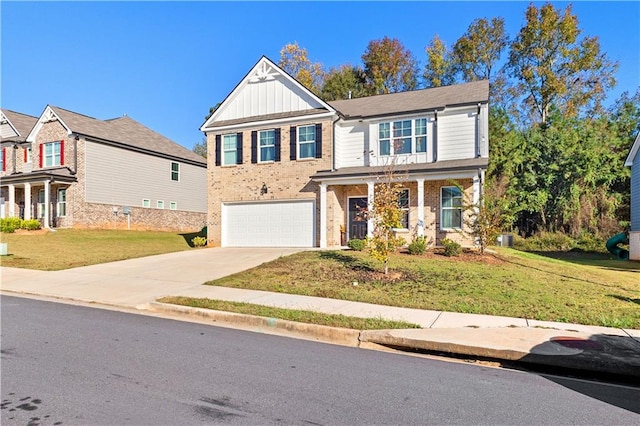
(47, 200)
(12, 200)
(420, 207)
(476, 190)
(370, 197)
(323, 215)
(27, 201)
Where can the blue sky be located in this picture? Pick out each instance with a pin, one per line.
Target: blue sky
(165, 63)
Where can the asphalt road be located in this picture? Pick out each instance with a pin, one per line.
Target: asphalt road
(64, 364)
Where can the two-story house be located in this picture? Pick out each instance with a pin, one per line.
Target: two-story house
(288, 169)
(70, 170)
(633, 161)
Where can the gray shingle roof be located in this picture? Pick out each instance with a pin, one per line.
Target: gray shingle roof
(267, 117)
(126, 131)
(22, 122)
(416, 100)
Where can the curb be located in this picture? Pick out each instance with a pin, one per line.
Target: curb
(321, 333)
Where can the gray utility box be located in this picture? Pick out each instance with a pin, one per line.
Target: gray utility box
(505, 240)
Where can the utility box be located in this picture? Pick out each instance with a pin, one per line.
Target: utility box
(505, 240)
(3, 249)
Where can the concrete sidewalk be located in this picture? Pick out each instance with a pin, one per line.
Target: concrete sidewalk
(137, 283)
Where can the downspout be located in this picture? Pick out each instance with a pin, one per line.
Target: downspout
(478, 132)
(75, 154)
(15, 158)
(435, 136)
(333, 143)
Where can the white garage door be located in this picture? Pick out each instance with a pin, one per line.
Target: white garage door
(269, 224)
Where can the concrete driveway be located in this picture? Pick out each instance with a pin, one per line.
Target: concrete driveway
(135, 282)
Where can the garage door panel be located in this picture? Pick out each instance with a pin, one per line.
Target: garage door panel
(269, 224)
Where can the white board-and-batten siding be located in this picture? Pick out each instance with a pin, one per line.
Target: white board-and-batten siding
(274, 96)
(124, 178)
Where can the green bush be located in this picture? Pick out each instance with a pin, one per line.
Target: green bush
(31, 224)
(199, 241)
(451, 248)
(10, 224)
(356, 244)
(418, 245)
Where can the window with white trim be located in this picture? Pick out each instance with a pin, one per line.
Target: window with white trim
(267, 142)
(62, 202)
(146, 203)
(450, 207)
(51, 154)
(402, 136)
(40, 204)
(403, 204)
(307, 141)
(229, 149)
(27, 154)
(160, 204)
(175, 171)
(173, 205)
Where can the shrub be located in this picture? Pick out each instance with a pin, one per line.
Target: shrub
(199, 241)
(356, 244)
(418, 245)
(31, 224)
(451, 248)
(10, 224)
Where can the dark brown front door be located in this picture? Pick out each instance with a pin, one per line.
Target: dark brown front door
(358, 218)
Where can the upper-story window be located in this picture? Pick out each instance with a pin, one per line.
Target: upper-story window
(403, 136)
(229, 149)
(267, 145)
(307, 141)
(3, 159)
(51, 154)
(27, 154)
(175, 171)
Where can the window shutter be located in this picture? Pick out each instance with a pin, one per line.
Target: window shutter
(277, 145)
(239, 148)
(318, 140)
(293, 143)
(41, 151)
(4, 159)
(24, 151)
(62, 153)
(218, 150)
(254, 147)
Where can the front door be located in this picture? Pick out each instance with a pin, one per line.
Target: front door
(358, 218)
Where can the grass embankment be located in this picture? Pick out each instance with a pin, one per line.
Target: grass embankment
(70, 248)
(579, 289)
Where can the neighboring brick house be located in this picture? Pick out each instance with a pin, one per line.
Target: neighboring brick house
(70, 170)
(286, 168)
(633, 161)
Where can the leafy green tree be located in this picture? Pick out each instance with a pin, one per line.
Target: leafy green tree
(477, 52)
(439, 70)
(212, 110)
(295, 61)
(389, 67)
(343, 81)
(200, 148)
(553, 66)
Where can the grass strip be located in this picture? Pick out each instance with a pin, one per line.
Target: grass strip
(309, 317)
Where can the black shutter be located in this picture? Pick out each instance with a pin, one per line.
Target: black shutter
(217, 150)
(254, 147)
(277, 145)
(239, 148)
(318, 140)
(293, 143)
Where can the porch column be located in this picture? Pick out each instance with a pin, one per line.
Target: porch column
(27, 201)
(47, 200)
(476, 189)
(420, 207)
(323, 215)
(12, 200)
(370, 195)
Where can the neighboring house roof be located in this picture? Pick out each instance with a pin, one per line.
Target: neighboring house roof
(634, 151)
(414, 168)
(123, 131)
(416, 100)
(20, 124)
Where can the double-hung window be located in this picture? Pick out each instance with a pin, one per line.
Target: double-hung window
(451, 208)
(307, 141)
(62, 202)
(403, 136)
(229, 149)
(267, 140)
(403, 204)
(51, 154)
(175, 171)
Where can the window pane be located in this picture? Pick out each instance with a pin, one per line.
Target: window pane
(402, 146)
(230, 157)
(229, 142)
(403, 199)
(267, 137)
(383, 131)
(267, 153)
(421, 126)
(306, 133)
(385, 147)
(308, 150)
(421, 144)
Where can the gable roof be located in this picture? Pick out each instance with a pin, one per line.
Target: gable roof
(124, 132)
(414, 101)
(280, 97)
(20, 124)
(634, 151)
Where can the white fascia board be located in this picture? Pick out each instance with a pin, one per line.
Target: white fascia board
(255, 124)
(634, 151)
(48, 112)
(359, 180)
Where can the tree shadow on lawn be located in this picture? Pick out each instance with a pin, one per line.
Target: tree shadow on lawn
(590, 258)
(624, 298)
(188, 237)
(348, 261)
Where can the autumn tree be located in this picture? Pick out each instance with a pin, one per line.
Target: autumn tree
(439, 70)
(553, 66)
(389, 67)
(343, 82)
(295, 61)
(478, 51)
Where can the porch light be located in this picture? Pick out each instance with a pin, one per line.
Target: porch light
(264, 189)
